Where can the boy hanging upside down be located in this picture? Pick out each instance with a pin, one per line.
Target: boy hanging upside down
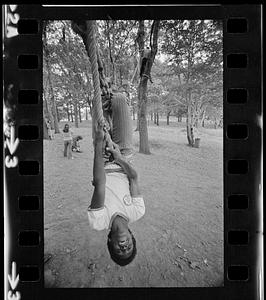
(116, 200)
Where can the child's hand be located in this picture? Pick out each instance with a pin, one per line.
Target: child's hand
(114, 149)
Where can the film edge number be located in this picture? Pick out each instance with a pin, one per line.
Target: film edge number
(13, 280)
(11, 20)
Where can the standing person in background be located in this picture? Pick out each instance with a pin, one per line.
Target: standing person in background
(68, 136)
(50, 130)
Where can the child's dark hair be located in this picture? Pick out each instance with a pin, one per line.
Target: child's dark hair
(117, 259)
(66, 129)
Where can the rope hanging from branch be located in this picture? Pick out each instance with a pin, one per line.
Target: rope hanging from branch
(87, 31)
(97, 111)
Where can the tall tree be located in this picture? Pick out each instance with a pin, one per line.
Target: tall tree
(195, 48)
(48, 68)
(145, 75)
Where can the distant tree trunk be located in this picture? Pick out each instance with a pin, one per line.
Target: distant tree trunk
(202, 119)
(86, 113)
(137, 128)
(190, 136)
(47, 110)
(142, 121)
(168, 118)
(157, 119)
(57, 113)
(89, 104)
(133, 113)
(71, 113)
(76, 113)
(68, 114)
(45, 130)
(54, 112)
(79, 110)
(151, 116)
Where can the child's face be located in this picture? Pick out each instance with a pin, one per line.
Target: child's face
(122, 244)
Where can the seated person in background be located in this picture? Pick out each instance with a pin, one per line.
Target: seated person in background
(76, 144)
(116, 200)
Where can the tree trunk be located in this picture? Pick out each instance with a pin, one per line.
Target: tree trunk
(68, 114)
(143, 128)
(48, 67)
(202, 119)
(157, 119)
(76, 113)
(47, 111)
(137, 128)
(57, 113)
(86, 112)
(45, 131)
(151, 116)
(133, 113)
(71, 113)
(54, 112)
(168, 118)
(190, 136)
(79, 110)
(142, 90)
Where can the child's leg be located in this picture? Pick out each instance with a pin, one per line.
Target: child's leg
(69, 152)
(122, 133)
(65, 148)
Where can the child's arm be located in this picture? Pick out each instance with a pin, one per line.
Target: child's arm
(132, 176)
(99, 178)
(128, 169)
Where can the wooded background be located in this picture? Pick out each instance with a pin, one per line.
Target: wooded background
(183, 77)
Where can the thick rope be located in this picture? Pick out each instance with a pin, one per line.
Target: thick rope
(97, 111)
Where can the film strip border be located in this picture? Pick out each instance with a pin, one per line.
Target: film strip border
(23, 203)
(242, 111)
(24, 152)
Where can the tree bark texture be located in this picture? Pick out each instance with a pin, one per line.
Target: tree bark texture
(168, 118)
(48, 67)
(190, 136)
(71, 113)
(68, 114)
(80, 118)
(76, 113)
(142, 89)
(157, 119)
(142, 120)
(45, 130)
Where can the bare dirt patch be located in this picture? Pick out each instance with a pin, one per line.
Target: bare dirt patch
(180, 238)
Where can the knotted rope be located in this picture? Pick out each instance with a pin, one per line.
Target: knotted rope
(97, 111)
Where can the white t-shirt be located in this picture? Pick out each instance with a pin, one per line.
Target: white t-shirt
(117, 202)
(68, 135)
